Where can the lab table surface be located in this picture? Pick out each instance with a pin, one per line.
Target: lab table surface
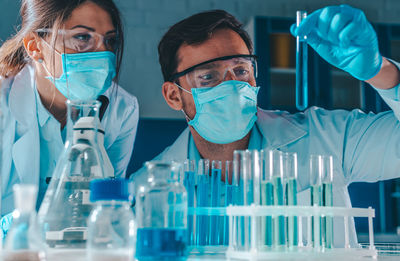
(79, 255)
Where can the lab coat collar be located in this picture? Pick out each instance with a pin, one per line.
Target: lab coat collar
(22, 103)
(277, 129)
(179, 149)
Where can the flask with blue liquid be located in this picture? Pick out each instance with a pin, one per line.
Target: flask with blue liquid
(161, 211)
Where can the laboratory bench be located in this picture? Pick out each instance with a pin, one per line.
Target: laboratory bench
(79, 255)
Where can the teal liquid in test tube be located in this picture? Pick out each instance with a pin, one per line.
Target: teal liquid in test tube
(231, 193)
(243, 160)
(301, 66)
(189, 183)
(267, 197)
(276, 159)
(290, 180)
(216, 187)
(202, 196)
(327, 200)
(316, 170)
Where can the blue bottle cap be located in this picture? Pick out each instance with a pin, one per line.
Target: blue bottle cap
(109, 189)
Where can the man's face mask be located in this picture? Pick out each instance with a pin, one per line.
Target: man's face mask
(225, 110)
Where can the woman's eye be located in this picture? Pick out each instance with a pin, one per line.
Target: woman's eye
(83, 37)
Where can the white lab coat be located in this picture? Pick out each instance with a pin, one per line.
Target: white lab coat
(20, 158)
(365, 147)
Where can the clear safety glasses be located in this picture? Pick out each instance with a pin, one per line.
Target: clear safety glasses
(212, 72)
(81, 40)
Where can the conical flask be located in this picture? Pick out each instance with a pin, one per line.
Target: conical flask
(24, 241)
(66, 205)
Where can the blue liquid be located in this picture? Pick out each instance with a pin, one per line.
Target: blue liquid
(291, 198)
(161, 244)
(316, 199)
(202, 221)
(231, 197)
(215, 224)
(301, 74)
(189, 184)
(327, 199)
(279, 228)
(267, 198)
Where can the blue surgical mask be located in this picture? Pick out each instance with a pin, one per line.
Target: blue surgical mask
(224, 113)
(85, 75)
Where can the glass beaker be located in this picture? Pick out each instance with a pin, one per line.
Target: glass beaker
(66, 206)
(24, 240)
(111, 225)
(161, 211)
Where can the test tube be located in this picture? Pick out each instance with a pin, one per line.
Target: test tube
(189, 167)
(231, 193)
(215, 224)
(267, 197)
(203, 170)
(327, 200)
(316, 169)
(301, 66)
(243, 161)
(290, 180)
(276, 163)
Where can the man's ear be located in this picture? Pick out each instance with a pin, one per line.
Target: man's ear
(32, 46)
(172, 95)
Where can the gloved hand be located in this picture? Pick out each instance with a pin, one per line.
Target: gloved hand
(5, 223)
(343, 37)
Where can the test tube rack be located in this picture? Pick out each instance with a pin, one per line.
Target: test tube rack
(253, 250)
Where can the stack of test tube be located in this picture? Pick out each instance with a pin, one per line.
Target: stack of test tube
(211, 187)
(263, 177)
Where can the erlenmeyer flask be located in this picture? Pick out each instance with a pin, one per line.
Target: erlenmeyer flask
(24, 241)
(66, 205)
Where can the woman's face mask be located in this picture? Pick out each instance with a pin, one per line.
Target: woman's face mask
(85, 75)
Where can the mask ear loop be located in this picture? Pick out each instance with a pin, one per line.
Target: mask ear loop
(184, 113)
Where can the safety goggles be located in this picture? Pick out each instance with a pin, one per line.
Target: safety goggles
(81, 40)
(210, 73)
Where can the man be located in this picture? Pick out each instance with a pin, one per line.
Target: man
(212, 50)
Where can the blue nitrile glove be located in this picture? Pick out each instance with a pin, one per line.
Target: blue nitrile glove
(5, 223)
(343, 37)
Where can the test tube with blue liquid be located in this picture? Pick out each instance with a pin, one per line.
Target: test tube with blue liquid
(189, 167)
(231, 193)
(267, 197)
(301, 66)
(276, 161)
(243, 159)
(290, 180)
(202, 196)
(316, 170)
(327, 200)
(216, 189)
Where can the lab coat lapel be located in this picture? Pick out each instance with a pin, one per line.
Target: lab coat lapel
(277, 129)
(25, 151)
(179, 149)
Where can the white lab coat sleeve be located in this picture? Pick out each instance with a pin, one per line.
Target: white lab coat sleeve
(371, 148)
(121, 150)
(392, 96)
(365, 146)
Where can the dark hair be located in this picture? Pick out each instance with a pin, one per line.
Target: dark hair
(195, 29)
(38, 14)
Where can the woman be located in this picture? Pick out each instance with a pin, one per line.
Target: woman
(63, 50)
